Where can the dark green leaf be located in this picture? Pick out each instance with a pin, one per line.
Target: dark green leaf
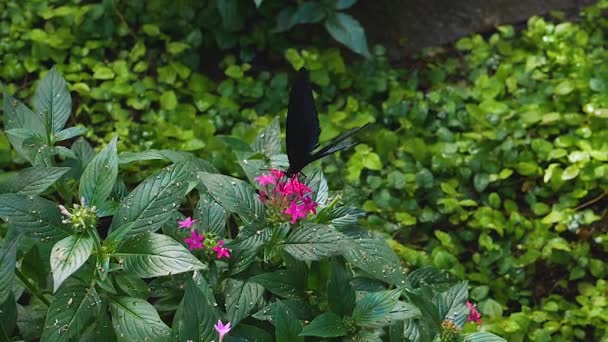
(317, 182)
(98, 178)
(234, 195)
(340, 294)
(69, 133)
(35, 216)
(8, 318)
(313, 242)
(344, 4)
(19, 116)
(231, 15)
(284, 283)
(153, 255)
(135, 319)
(325, 325)
(72, 309)
(33, 180)
(483, 337)
(269, 141)
(53, 98)
(211, 215)
(452, 303)
(68, 255)
(287, 326)
(8, 258)
(198, 314)
(309, 12)
(347, 30)
(300, 308)
(241, 298)
(373, 307)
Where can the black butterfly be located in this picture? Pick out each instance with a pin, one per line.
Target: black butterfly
(303, 128)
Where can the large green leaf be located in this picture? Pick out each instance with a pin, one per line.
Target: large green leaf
(198, 315)
(98, 178)
(19, 116)
(452, 303)
(33, 180)
(374, 256)
(284, 283)
(68, 255)
(325, 325)
(347, 30)
(269, 141)
(234, 195)
(8, 318)
(155, 200)
(241, 298)
(153, 255)
(135, 319)
(340, 294)
(211, 214)
(35, 216)
(287, 326)
(72, 309)
(374, 306)
(52, 98)
(313, 242)
(482, 337)
(8, 259)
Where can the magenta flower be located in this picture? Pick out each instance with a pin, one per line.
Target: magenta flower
(221, 251)
(296, 211)
(195, 241)
(186, 223)
(266, 179)
(474, 315)
(222, 329)
(309, 205)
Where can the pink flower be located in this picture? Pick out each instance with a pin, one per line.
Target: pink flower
(221, 252)
(309, 205)
(296, 211)
(64, 211)
(266, 179)
(186, 223)
(222, 329)
(278, 174)
(195, 241)
(474, 315)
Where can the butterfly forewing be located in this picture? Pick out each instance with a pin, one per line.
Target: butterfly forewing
(303, 128)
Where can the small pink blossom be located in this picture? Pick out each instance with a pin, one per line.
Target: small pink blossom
(222, 329)
(296, 211)
(309, 205)
(474, 315)
(64, 211)
(195, 241)
(278, 174)
(186, 223)
(266, 179)
(221, 251)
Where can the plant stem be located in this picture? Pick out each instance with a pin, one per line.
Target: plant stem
(99, 251)
(30, 287)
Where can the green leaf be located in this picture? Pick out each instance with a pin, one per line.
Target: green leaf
(452, 303)
(152, 255)
(340, 294)
(269, 141)
(98, 178)
(19, 116)
(8, 318)
(309, 12)
(344, 4)
(287, 326)
(154, 200)
(325, 325)
(70, 133)
(72, 309)
(168, 100)
(35, 216)
(245, 247)
(135, 319)
(231, 15)
(198, 314)
(283, 283)
(234, 195)
(373, 307)
(8, 259)
(33, 180)
(374, 256)
(258, 2)
(52, 98)
(241, 298)
(211, 215)
(313, 242)
(565, 87)
(68, 255)
(131, 285)
(299, 307)
(483, 337)
(317, 182)
(347, 30)
(103, 72)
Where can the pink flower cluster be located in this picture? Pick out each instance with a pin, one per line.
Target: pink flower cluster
(474, 315)
(195, 241)
(286, 196)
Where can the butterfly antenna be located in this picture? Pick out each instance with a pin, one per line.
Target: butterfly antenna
(338, 144)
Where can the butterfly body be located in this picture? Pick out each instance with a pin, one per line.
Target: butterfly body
(303, 128)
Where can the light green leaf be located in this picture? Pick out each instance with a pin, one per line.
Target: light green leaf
(313, 242)
(68, 255)
(153, 255)
(33, 180)
(98, 178)
(325, 325)
(135, 319)
(347, 30)
(168, 100)
(234, 195)
(72, 309)
(69, 133)
(52, 98)
(35, 216)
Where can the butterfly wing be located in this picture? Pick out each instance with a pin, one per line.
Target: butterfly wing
(303, 127)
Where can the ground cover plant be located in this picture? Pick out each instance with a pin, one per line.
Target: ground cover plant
(487, 159)
(288, 263)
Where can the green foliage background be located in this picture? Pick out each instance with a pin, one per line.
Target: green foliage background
(488, 159)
